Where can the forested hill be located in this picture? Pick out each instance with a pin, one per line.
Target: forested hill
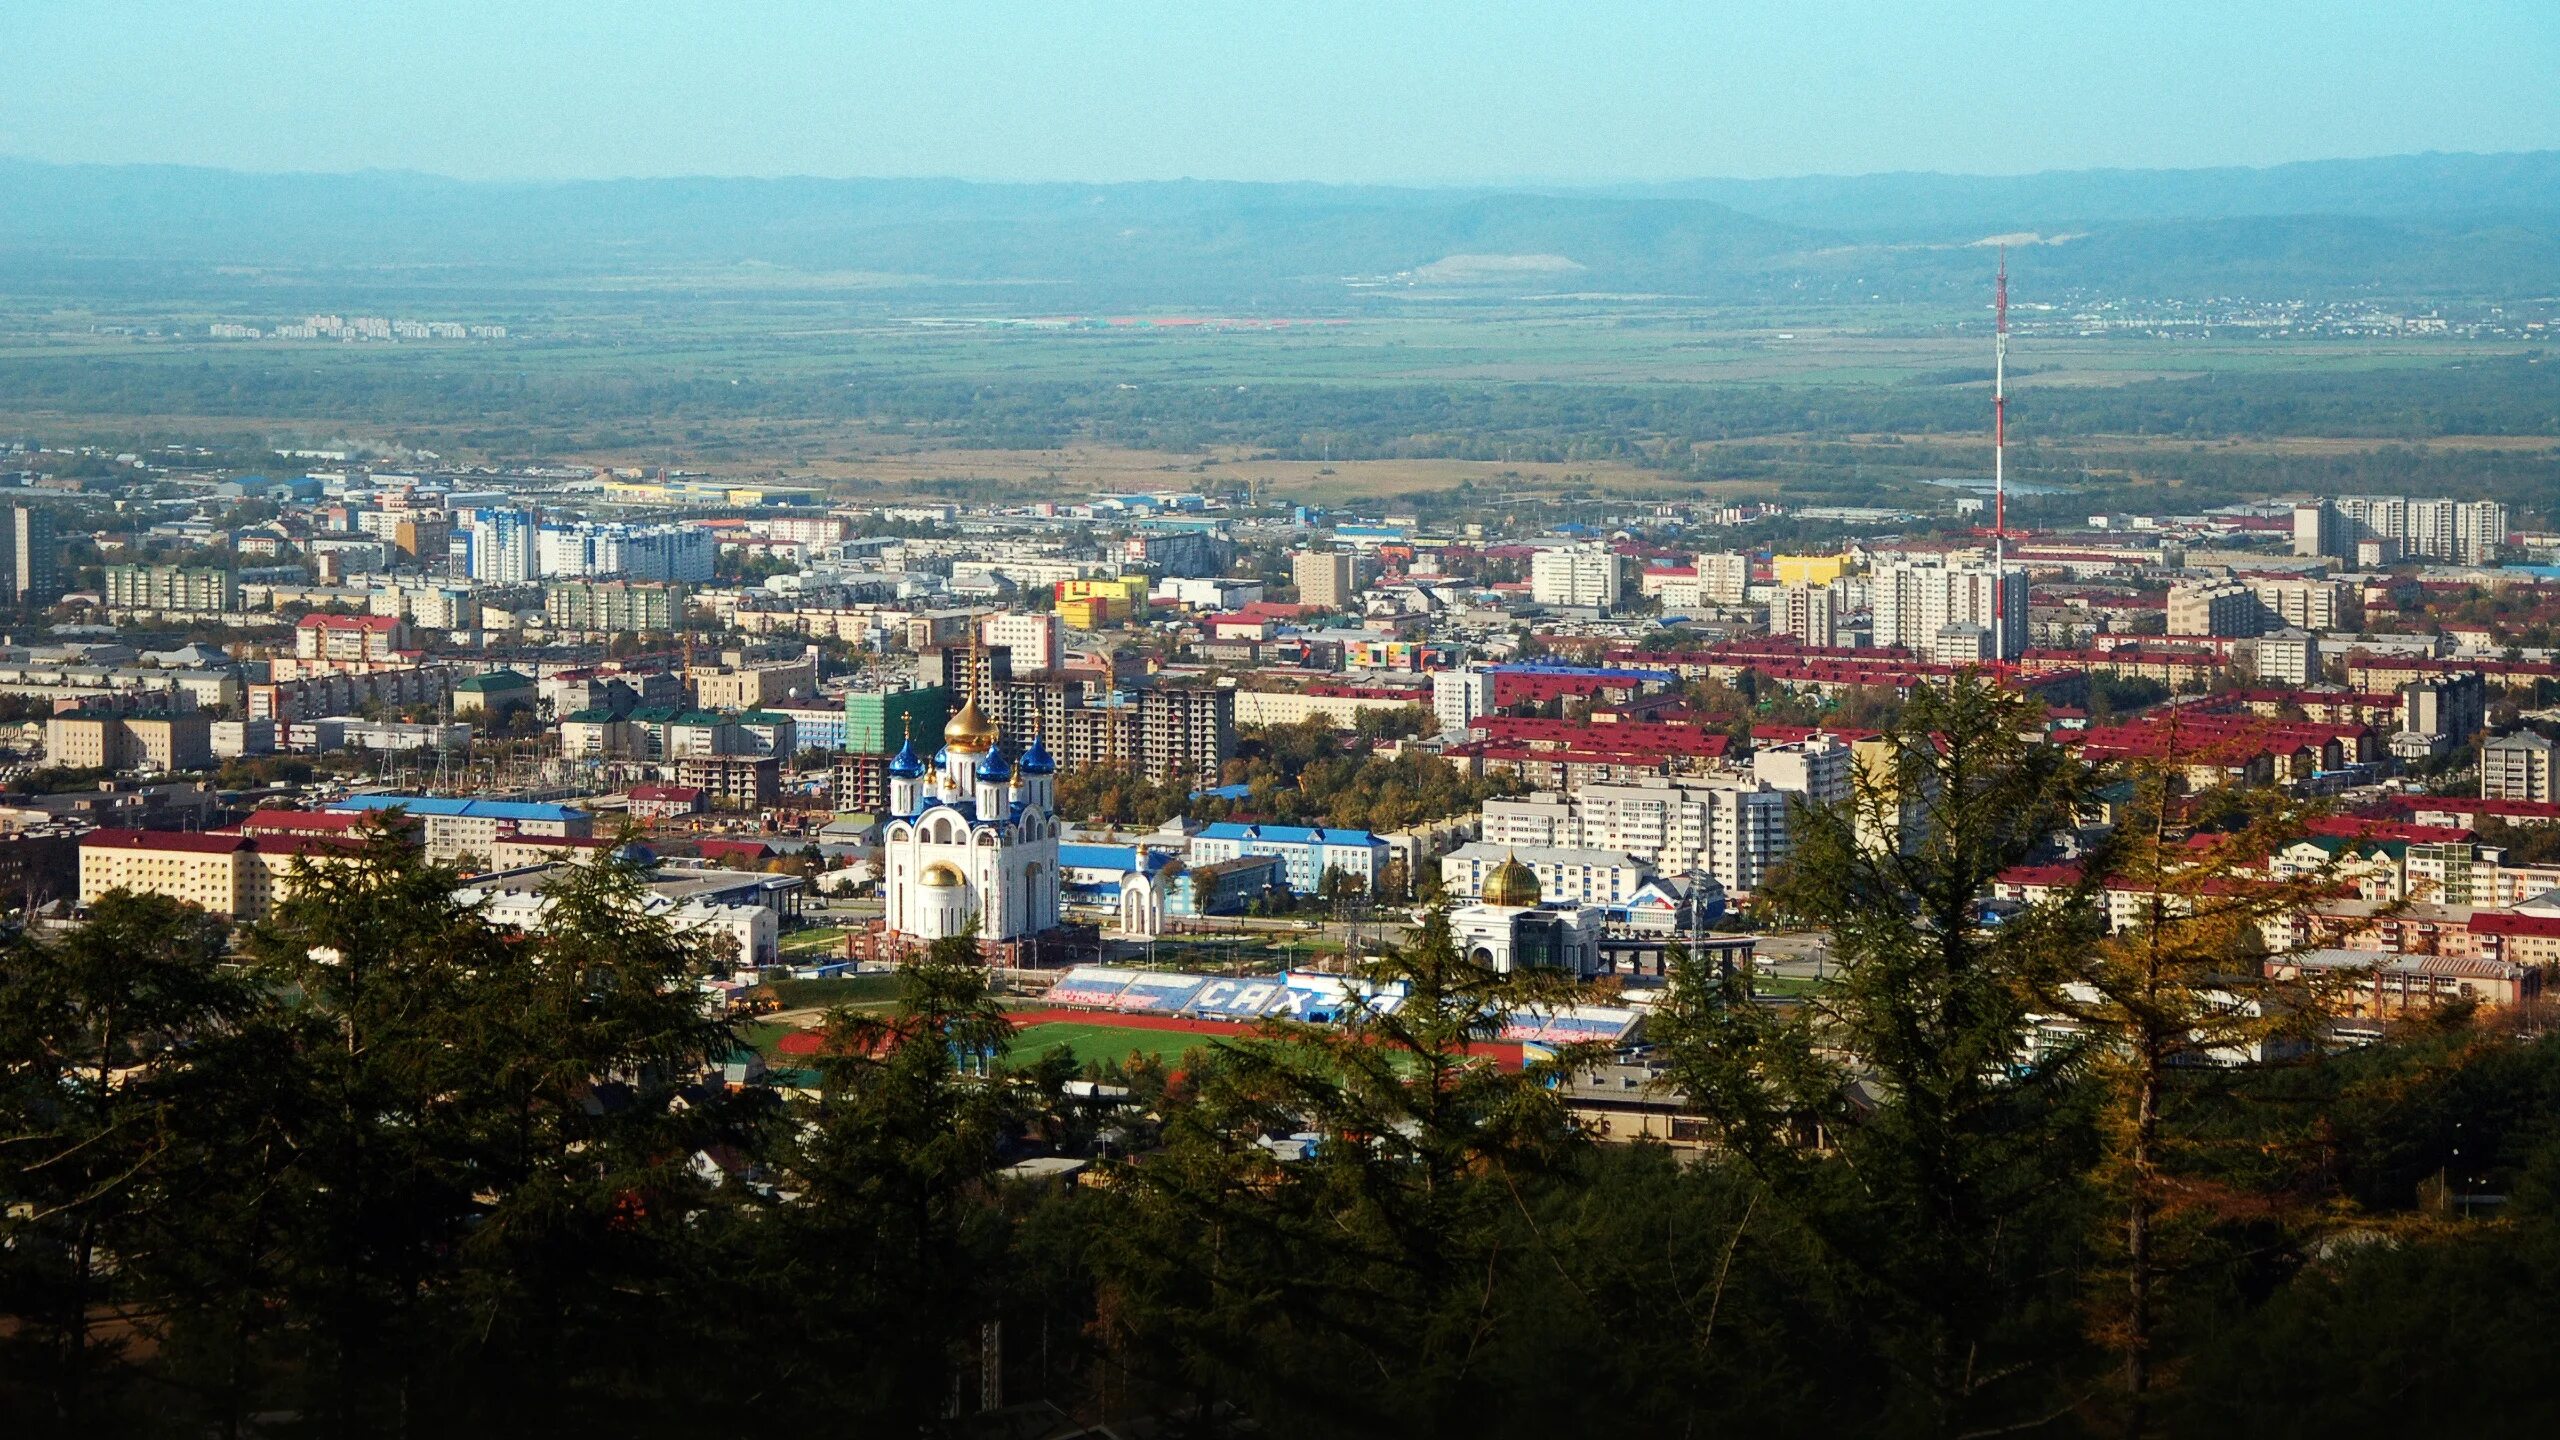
(2407, 227)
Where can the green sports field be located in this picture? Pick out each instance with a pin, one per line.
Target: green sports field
(1104, 1042)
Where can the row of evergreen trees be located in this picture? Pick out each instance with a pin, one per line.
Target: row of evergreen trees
(385, 1170)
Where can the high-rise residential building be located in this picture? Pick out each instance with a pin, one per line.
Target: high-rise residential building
(495, 547)
(1459, 696)
(1724, 579)
(1734, 830)
(1186, 732)
(2214, 607)
(2466, 532)
(2290, 657)
(2518, 767)
(1916, 599)
(1806, 612)
(2307, 604)
(1817, 768)
(1325, 579)
(632, 552)
(1579, 576)
(2445, 707)
(877, 722)
(2479, 532)
(30, 556)
(2318, 529)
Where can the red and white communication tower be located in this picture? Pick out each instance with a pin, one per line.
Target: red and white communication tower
(2000, 461)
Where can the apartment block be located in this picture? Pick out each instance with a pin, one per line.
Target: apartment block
(756, 686)
(1805, 612)
(172, 589)
(2215, 607)
(238, 877)
(1580, 577)
(1735, 830)
(1916, 599)
(2310, 604)
(607, 607)
(2518, 767)
(156, 743)
(1460, 695)
(1325, 579)
(30, 556)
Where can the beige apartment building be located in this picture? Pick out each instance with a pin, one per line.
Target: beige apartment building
(238, 877)
(166, 743)
(755, 687)
(1325, 579)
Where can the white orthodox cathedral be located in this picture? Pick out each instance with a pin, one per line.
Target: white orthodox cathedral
(973, 839)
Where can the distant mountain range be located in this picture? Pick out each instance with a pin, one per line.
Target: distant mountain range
(2424, 226)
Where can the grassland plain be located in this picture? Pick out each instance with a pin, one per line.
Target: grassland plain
(768, 382)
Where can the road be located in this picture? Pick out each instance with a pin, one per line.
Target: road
(1795, 955)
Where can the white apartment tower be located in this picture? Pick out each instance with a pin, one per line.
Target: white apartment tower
(1724, 579)
(1806, 612)
(1582, 576)
(1459, 696)
(1916, 599)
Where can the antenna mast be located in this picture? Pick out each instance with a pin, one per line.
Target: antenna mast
(2000, 459)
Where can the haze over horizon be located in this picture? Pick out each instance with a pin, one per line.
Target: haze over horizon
(1431, 94)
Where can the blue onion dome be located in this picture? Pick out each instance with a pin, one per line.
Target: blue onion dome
(942, 757)
(995, 767)
(906, 764)
(1037, 760)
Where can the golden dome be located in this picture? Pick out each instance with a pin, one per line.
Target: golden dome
(970, 732)
(941, 877)
(1511, 883)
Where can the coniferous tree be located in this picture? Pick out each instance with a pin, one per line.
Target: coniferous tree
(888, 1251)
(2176, 1003)
(1904, 1117)
(1364, 1286)
(96, 1069)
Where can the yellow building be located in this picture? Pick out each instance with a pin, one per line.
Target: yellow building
(1086, 614)
(239, 877)
(1126, 593)
(1810, 569)
(1092, 604)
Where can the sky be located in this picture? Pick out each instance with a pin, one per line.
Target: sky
(1391, 91)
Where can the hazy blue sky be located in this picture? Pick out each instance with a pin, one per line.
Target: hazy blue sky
(1280, 89)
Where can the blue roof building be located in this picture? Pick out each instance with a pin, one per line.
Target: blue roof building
(1306, 854)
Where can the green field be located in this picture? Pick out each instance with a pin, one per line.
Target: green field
(1090, 1043)
(827, 938)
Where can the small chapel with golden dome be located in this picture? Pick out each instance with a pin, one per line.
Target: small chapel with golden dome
(972, 839)
(1512, 926)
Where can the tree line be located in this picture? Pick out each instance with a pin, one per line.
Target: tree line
(1305, 773)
